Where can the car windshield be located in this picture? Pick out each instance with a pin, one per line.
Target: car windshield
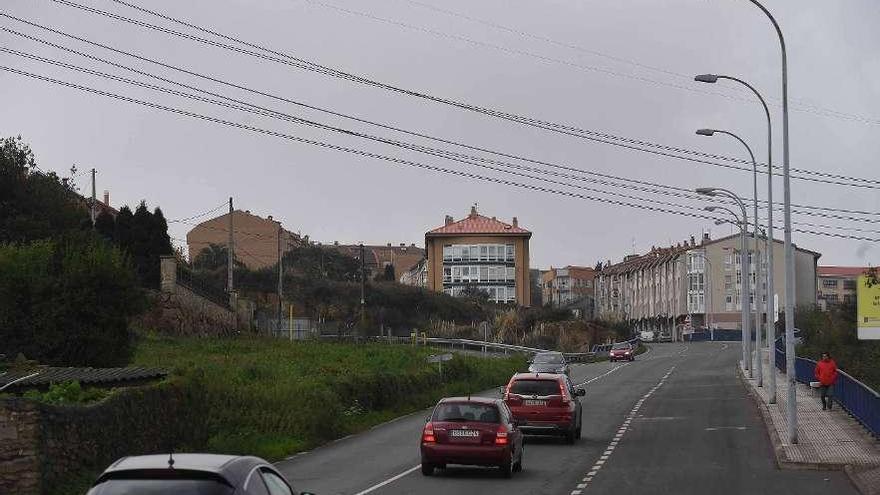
(466, 411)
(535, 387)
(161, 487)
(548, 358)
(622, 345)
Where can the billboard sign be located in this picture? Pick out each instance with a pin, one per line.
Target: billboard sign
(868, 310)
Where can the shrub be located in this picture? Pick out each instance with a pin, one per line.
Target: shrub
(67, 302)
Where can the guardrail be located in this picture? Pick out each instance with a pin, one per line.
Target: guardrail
(479, 345)
(856, 398)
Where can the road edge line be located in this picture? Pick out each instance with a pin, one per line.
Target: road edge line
(388, 481)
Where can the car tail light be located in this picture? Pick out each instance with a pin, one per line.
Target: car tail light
(501, 435)
(428, 434)
(562, 394)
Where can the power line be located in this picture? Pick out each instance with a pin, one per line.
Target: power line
(358, 119)
(808, 108)
(198, 215)
(396, 160)
(628, 143)
(461, 158)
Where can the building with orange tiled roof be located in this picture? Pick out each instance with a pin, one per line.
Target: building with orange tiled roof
(482, 252)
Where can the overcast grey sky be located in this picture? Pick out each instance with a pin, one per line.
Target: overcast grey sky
(187, 166)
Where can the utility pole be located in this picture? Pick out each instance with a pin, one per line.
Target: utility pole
(230, 252)
(280, 278)
(363, 290)
(92, 209)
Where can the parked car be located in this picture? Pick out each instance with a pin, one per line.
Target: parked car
(545, 404)
(549, 362)
(664, 337)
(473, 431)
(647, 336)
(192, 474)
(622, 351)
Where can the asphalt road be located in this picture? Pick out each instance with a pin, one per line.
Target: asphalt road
(677, 420)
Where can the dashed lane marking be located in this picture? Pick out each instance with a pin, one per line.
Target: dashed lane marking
(609, 450)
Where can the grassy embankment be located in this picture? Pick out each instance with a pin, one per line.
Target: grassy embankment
(273, 398)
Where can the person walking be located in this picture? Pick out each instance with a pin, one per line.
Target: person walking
(826, 373)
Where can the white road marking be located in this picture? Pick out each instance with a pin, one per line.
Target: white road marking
(388, 481)
(716, 428)
(582, 485)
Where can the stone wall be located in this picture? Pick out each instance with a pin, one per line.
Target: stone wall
(44, 447)
(19, 460)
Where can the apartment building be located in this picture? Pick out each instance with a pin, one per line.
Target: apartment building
(255, 238)
(570, 285)
(478, 251)
(691, 285)
(837, 285)
(401, 257)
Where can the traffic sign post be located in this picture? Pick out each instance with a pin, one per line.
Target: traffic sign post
(868, 308)
(439, 358)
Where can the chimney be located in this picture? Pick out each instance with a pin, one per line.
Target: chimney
(706, 237)
(402, 244)
(493, 218)
(335, 243)
(473, 211)
(106, 197)
(515, 222)
(448, 220)
(389, 244)
(693, 241)
(270, 217)
(413, 245)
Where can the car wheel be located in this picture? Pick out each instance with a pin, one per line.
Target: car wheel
(518, 466)
(577, 433)
(427, 469)
(506, 470)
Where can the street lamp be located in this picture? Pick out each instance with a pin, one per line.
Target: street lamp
(759, 362)
(744, 265)
(742, 232)
(768, 241)
(789, 253)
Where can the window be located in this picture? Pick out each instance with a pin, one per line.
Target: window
(831, 298)
(728, 282)
(276, 485)
(829, 283)
(849, 284)
(447, 274)
(511, 274)
(447, 253)
(849, 298)
(484, 253)
(510, 252)
(194, 486)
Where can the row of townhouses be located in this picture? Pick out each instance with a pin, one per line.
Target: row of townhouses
(694, 285)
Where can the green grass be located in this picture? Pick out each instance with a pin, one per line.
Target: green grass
(273, 398)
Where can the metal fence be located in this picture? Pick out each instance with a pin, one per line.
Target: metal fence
(858, 399)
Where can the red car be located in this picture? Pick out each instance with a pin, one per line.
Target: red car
(472, 431)
(622, 352)
(545, 404)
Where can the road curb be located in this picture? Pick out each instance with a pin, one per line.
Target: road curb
(781, 459)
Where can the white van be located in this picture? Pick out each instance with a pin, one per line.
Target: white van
(647, 336)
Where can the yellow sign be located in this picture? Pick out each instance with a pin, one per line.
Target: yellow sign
(868, 312)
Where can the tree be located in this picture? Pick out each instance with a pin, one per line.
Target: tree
(142, 235)
(214, 256)
(33, 204)
(67, 302)
(388, 275)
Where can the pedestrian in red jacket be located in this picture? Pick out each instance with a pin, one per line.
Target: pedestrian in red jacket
(826, 373)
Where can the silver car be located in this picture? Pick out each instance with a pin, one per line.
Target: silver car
(192, 474)
(549, 362)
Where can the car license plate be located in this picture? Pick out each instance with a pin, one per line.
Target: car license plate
(465, 433)
(534, 402)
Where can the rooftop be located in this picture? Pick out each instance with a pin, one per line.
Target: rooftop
(840, 271)
(475, 223)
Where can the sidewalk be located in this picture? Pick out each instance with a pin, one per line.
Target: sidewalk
(826, 439)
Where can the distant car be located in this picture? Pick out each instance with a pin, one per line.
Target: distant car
(549, 362)
(622, 351)
(473, 431)
(545, 404)
(647, 336)
(664, 337)
(192, 474)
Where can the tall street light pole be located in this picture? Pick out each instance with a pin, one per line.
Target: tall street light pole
(744, 266)
(789, 253)
(768, 240)
(758, 362)
(742, 232)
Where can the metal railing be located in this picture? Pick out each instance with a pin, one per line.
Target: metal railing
(856, 398)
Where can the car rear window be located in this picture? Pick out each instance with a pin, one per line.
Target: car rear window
(548, 359)
(161, 487)
(535, 387)
(621, 346)
(466, 411)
